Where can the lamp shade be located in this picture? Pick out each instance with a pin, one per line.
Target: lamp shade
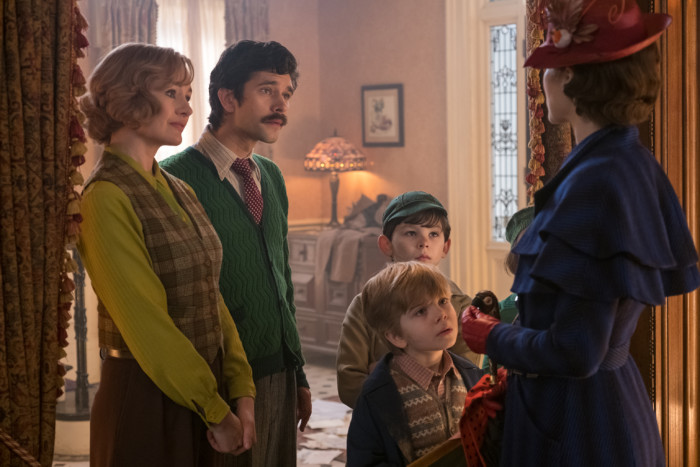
(335, 154)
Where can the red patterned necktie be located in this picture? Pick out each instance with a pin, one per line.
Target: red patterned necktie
(253, 198)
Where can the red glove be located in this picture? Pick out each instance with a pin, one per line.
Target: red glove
(476, 327)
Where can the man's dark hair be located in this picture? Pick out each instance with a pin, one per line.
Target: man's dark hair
(236, 65)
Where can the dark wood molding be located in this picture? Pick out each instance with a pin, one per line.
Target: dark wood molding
(677, 146)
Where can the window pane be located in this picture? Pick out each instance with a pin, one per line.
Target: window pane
(504, 125)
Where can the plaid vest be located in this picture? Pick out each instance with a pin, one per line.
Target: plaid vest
(186, 259)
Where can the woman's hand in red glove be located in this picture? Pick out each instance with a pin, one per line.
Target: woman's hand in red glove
(476, 327)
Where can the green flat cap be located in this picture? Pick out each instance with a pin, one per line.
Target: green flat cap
(409, 203)
(519, 222)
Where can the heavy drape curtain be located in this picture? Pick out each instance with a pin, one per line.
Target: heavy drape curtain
(40, 144)
(548, 143)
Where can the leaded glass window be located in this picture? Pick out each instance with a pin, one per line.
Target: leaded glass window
(504, 127)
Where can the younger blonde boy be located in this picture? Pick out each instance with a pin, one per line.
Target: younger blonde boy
(414, 397)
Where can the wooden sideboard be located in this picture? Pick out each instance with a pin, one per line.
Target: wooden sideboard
(320, 302)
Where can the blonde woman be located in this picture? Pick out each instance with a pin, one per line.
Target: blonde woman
(172, 356)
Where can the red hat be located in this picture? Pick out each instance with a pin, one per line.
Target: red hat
(594, 31)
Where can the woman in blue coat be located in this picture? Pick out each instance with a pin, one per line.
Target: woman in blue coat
(608, 238)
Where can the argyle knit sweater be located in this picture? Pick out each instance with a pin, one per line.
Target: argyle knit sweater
(255, 276)
(431, 419)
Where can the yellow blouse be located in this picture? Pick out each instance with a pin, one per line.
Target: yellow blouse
(113, 249)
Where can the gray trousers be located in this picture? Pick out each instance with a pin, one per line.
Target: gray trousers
(275, 424)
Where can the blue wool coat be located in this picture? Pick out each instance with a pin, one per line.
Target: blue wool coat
(379, 434)
(608, 237)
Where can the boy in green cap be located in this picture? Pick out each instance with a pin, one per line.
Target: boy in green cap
(414, 228)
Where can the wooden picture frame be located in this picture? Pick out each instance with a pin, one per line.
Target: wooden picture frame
(382, 115)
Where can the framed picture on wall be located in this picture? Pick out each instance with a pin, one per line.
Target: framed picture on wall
(382, 115)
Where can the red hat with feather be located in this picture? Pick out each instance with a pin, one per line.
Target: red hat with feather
(594, 31)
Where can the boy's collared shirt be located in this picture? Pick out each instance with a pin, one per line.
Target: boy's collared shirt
(425, 377)
(223, 158)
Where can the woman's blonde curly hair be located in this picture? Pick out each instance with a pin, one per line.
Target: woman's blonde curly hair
(120, 88)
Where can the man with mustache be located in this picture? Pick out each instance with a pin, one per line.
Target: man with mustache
(245, 197)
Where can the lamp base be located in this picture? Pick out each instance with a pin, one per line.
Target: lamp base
(334, 200)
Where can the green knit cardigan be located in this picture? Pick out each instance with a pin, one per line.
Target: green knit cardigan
(255, 280)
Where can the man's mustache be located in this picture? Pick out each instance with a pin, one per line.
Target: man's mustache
(281, 117)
